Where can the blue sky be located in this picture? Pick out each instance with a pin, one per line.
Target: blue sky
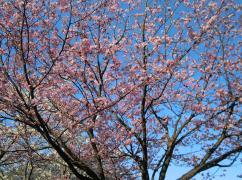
(231, 173)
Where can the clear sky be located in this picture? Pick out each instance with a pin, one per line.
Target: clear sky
(231, 173)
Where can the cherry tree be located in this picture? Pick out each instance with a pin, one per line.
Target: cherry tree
(119, 89)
